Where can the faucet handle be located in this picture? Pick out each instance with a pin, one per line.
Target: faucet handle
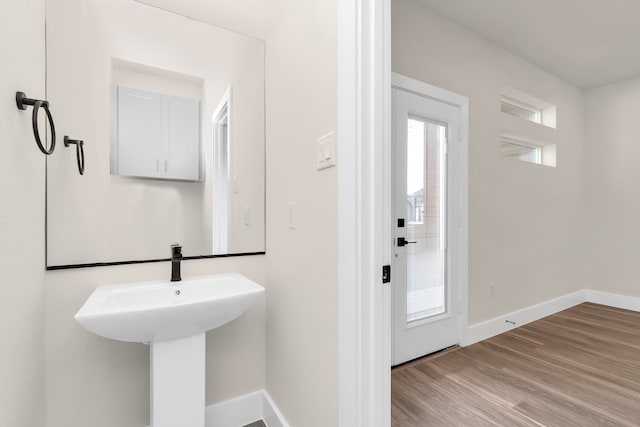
(176, 249)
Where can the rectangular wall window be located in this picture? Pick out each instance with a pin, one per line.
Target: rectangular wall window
(527, 107)
(520, 151)
(525, 151)
(519, 109)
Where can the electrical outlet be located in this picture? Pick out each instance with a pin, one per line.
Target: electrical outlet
(492, 289)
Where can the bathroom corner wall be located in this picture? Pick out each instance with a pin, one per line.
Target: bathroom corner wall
(302, 299)
(21, 218)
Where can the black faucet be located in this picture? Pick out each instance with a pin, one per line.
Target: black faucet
(176, 257)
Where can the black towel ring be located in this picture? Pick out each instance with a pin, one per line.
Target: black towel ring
(79, 152)
(22, 101)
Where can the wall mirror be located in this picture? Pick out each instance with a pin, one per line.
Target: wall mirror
(171, 112)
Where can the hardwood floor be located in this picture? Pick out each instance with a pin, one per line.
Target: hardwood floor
(579, 367)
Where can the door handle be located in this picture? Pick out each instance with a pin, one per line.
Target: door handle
(402, 241)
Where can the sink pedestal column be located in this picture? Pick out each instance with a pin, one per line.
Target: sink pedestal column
(178, 382)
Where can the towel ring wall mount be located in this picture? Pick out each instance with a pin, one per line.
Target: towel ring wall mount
(22, 102)
(79, 151)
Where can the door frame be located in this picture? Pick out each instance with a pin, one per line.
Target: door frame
(364, 225)
(457, 193)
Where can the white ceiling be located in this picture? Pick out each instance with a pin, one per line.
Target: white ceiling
(248, 17)
(588, 43)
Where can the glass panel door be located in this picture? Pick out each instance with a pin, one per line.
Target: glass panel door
(428, 249)
(426, 218)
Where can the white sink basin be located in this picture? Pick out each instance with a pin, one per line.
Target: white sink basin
(162, 310)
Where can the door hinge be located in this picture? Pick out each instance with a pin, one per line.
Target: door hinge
(386, 273)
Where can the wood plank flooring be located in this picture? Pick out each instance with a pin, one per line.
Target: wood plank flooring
(579, 367)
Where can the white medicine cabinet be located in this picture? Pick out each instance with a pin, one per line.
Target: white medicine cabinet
(155, 135)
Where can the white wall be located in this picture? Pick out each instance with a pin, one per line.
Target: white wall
(525, 220)
(612, 181)
(302, 304)
(21, 218)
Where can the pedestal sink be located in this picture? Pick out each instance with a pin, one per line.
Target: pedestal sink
(173, 317)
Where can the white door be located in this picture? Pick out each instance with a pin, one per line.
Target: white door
(425, 287)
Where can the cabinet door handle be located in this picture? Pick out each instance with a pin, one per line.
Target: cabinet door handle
(157, 164)
(165, 165)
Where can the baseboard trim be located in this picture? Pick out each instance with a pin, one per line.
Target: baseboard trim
(244, 410)
(489, 328)
(272, 416)
(613, 300)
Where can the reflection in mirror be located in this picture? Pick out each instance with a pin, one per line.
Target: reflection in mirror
(154, 135)
(173, 124)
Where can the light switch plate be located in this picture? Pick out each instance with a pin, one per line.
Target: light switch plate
(326, 151)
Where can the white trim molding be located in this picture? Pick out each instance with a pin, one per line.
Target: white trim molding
(492, 327)
(271, 415)
(613, 300)
(364, 225)
(244, 410)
